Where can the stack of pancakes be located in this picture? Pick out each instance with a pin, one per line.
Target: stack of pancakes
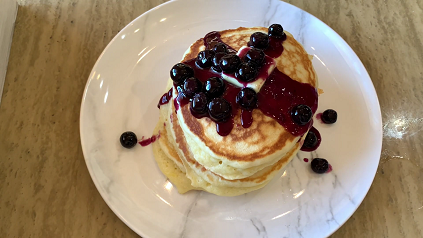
(195, 157)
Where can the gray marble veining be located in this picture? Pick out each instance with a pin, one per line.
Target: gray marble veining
(44, 181)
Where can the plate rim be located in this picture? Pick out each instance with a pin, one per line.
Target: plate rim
(87, 85)
(361, 65)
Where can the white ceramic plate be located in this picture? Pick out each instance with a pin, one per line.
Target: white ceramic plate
(130, 76)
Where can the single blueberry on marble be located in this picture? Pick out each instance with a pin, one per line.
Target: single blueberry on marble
(329, 116)
(128, 139)
(319, 165)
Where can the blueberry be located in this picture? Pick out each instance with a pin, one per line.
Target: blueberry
(259, 40)
(191, 86)
(301, 114)
(319, 165)
(180, 72)
(216, 59)
(247, 98)
(329, 116)
(220, 48)
(229, 63)
(255, 56)
(310, 141)
(128, 139)
(199, 103)
(181, 92)
(214, 87)
(246, 72)
(204, 59)
(276, 31)
(219, 109)
(211, 37)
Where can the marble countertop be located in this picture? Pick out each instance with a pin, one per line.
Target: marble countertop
(46, 190)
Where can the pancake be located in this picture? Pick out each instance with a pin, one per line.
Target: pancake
(165, 137)
(245, 150)
(196, 177)
(194, 156)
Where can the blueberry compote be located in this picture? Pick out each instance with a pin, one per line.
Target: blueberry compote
(152, 139)
(212, 90)
(278, 98)
(280, 94)
(213, 38)
(165, 98)
(312, 140)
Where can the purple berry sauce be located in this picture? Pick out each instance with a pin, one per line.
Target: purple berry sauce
(319, 140)
(277, 97)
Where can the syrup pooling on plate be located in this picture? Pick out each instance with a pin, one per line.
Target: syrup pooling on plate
(278, 96)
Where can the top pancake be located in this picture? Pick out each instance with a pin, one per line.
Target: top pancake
(245, 150)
